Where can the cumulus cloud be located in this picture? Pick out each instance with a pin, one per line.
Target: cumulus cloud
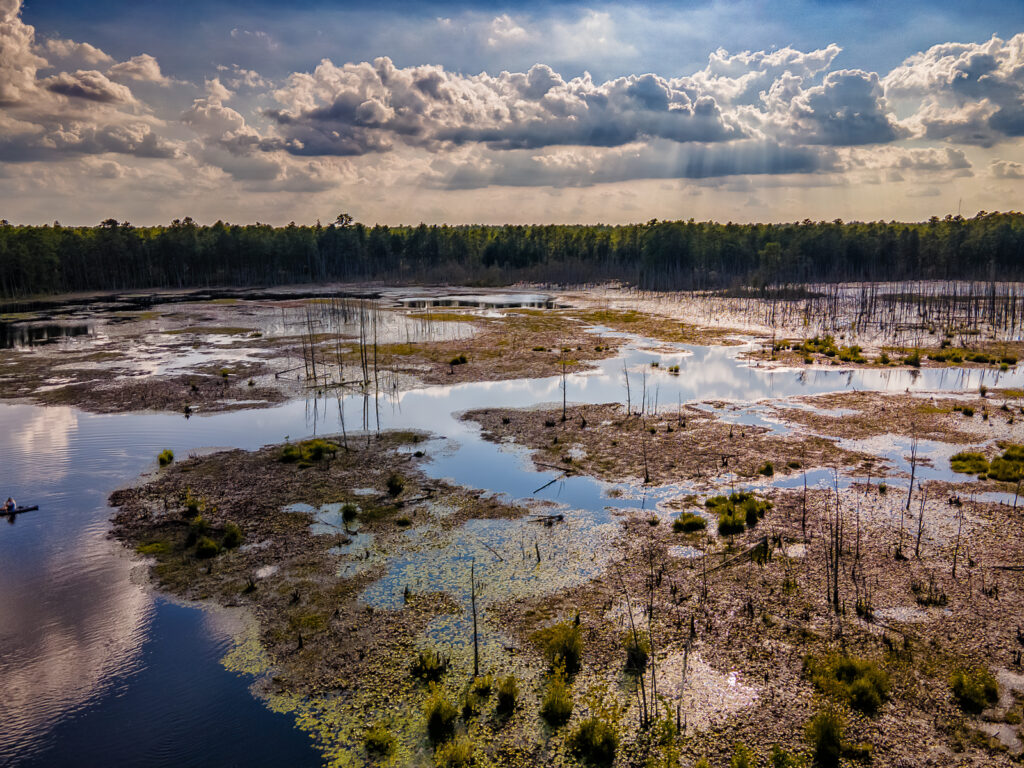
(1006, 169)
(142, 67)
(80, 52)
(90, 85)
(361, 108)
(969, 93)
(69, 113)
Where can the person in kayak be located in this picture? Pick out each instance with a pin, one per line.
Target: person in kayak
(10, 505)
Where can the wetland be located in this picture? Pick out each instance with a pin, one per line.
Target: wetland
(568, 527)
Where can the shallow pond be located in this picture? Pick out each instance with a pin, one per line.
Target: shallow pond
(92, 663)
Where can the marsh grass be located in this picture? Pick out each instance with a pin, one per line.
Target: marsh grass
(638, 649)
(165, 457)
(458, 753)
(232, 536)
(688, 522)
(206, 547)
(556, 704)
(508, 694)
(969, 463)
(379, 741)
(562, 645)
(440, 715)
(974, 689)
(859, 683)
(594, 742)
(429, 665)
(308, 452)
(395, 484)
(737, 511)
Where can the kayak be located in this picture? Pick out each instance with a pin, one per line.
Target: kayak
(19, 510)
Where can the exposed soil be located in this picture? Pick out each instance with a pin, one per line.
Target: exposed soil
(870, 414)
(688, 445)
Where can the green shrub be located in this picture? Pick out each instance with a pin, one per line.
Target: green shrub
(440, 715)
(766, 469)
(638, 649)
(206, 547)
(860, 683)
(457, 753)
(688, 522)
(349, 512)
(594, 742)
(742, 757)
(556, 706)
(308, 451)
(883, 359)
(196, 528)
(780, 758)
(825, 733)
(193, 504)
(232, 536)
(429, 665)
(562, 645)
(379, 741)
(913, 359)
(483, 685)
(165, 457)
(974, 689)
(471, 703)
(737, 511)
(459, 360)
(508, 693)
(969, 463)
(1006, 471)
(395, 484)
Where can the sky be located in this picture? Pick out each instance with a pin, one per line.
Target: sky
(398, 112)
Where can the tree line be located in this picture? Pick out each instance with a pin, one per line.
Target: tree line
(658, 254)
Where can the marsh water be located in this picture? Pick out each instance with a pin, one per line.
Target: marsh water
(95, 667)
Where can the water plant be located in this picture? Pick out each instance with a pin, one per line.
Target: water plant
(742, 757)
(457, 753)
(429, 665)
(825, 734)
(307, 452)
(859, 683)
(688, 522)
(440, 715)
(165, 457)
(556, 705)
(395, 484)
(594, 742)
(349, 512)
(780, 758)
(197, 527)
(562, 645)
(508, 693)
(232, 536)
(974, 689)
(969, 463)
(379, 741)
(737, 511)
(482, 685)
(206, 547)
(638, 649)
